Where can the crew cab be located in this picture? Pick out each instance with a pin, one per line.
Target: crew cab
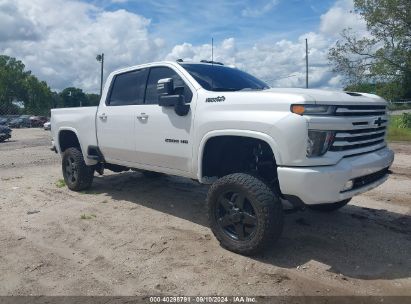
(257, 147)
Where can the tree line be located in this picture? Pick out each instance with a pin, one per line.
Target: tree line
(23, 93)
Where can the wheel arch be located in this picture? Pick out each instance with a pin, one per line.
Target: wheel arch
(66, 138)
(234, 133)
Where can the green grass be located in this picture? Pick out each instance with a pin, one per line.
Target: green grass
(60, 183)
(87, 217)
(395, 133)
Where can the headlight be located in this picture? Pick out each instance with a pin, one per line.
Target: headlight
(312, 109)
(319, 142)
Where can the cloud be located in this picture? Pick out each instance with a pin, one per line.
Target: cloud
(59, 39)
(280, 64)
(339, 17)
(14, 25)
(258, 11)
(68, 37)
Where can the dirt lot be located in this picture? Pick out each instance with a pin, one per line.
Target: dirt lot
(130, 235)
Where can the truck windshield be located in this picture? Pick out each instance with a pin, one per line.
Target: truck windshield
(220, 78)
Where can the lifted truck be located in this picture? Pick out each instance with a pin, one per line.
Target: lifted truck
(257, 146)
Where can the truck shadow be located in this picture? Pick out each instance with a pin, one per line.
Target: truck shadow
(355, 242)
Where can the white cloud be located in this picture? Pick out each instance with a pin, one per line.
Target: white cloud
(59, 39)
(339, 17)
(282, 63)
(66, 36)
(258, 11)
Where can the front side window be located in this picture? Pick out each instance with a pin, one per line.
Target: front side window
(158, 73)
(221, 78)
(128, 88)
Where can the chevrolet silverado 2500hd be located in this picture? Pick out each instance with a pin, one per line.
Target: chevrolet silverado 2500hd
(257, 146)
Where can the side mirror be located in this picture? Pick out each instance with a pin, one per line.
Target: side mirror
(170, 97)
(165, 86)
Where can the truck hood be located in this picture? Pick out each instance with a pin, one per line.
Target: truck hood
(330, 97)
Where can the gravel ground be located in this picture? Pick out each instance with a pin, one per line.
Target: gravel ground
(131, 235)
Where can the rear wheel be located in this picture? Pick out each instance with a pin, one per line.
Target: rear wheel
(244, 214)
(329, 207)
(77, 175)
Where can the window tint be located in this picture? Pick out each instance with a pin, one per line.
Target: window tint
(221, 78)
(128, 88)
(158, 73)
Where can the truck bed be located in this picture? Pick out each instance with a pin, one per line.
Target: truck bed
(81, 120)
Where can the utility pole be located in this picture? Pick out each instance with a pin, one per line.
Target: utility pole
(306, 63)
(100, 58)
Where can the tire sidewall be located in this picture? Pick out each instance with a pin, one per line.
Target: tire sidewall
(263, 212)
(84, 174)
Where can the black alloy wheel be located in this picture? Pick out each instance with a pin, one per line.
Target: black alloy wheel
(236, 216)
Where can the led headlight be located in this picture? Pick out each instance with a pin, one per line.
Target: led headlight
(312, 109)
(319, 142)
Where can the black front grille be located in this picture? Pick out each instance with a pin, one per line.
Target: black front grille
(369, 179)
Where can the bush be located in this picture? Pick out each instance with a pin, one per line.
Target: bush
(405, 121)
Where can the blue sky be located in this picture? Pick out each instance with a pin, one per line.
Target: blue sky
(247, 21)
(59, 39)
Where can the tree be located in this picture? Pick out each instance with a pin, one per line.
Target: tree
(73, 97)
(38, 97)
(384, 56)
(12, 77)
(17, 84)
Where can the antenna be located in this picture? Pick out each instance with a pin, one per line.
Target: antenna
(212, 50)
(306, 63)
(212, 59)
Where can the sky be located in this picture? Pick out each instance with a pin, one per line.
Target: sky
(58, 40)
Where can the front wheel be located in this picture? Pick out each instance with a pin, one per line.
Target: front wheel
(77, 175)
(244, 214)
(329, 207)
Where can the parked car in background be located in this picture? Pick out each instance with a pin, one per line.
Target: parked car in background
(5, 133)
(37, 121)
(3, 121)
(20, 122)
(47, 125)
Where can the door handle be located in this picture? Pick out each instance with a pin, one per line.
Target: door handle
(142, 116)
(103, 116)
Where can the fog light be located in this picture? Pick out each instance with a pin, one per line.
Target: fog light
(348, 185)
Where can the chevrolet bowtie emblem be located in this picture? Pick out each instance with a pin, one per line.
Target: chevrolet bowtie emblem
(379, 121)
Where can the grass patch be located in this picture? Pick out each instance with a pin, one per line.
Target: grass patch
(87, 217)
(395, 132)
(60, 183)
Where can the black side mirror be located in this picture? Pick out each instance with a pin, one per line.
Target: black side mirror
(168, 96)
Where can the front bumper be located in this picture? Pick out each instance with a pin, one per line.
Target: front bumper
(325, 184)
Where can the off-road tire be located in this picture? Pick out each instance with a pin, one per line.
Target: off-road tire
(329, 207)
(267, 211)
(84, 174)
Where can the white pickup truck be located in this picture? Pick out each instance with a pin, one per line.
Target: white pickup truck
(257, 146)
